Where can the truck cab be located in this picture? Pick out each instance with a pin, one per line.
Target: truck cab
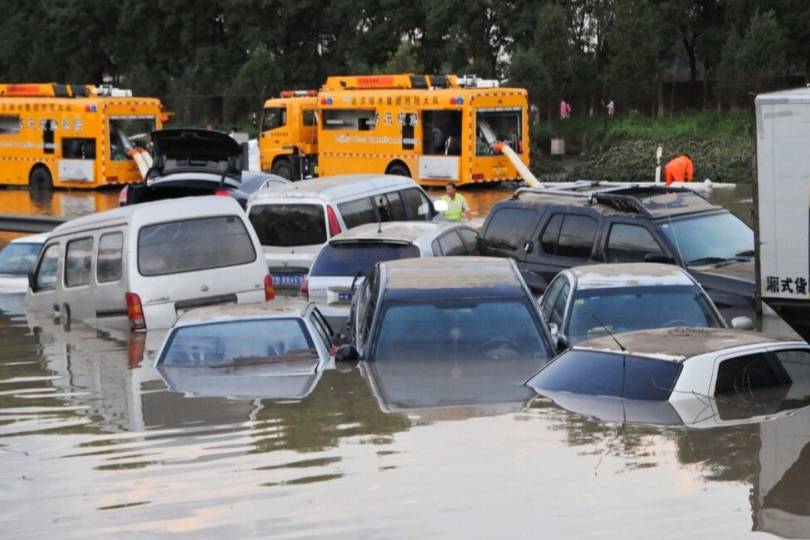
(288, 142)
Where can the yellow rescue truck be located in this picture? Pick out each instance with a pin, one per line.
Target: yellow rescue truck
(435, 129)
(76, 136)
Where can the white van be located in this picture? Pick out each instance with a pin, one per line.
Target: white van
(293, 221)
(140, 266)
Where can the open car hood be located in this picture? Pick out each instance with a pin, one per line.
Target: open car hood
(194, 144)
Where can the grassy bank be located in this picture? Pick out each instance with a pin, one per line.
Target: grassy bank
(624, 148)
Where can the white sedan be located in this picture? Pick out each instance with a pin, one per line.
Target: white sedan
(17, 259)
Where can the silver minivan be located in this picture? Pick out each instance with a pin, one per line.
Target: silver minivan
(293, 221)
(141, 266)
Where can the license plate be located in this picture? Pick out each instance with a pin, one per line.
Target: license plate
(345, 296)
(287, 280)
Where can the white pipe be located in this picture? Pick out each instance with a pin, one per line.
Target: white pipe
(522, 169)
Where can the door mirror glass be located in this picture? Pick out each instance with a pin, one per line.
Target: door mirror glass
(555, 332)
(439, 205)
(742, 323)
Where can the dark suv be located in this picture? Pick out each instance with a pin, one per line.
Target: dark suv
(548, 230)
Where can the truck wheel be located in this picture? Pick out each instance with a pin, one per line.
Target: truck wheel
(40, 179)
(282, 168)
(398, 169)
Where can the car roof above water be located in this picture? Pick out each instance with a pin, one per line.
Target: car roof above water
(451, 277)
(280, 307)
(408, 231)
(332, 187)
(153, 212)
(605, 276)
(678, 344)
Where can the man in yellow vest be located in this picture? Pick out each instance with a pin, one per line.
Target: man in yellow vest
(457, 207)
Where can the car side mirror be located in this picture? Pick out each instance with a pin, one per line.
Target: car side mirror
(559, 340)
(440, 205)
(527, 247)
(658, 258)
(742, 323)
(347, 353)
(32, 282)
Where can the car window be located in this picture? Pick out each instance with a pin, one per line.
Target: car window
(470, 239)
(309, 118)
(609, 374)
(630, 243)
(46, 272)
(287, 225)
(110, 257)
(366, 315)
(19, 258)
(509, 227)
(394, 206)
(193, 244)
(551, 234)
(577, 235)
(274, 117)
(417, 205)
(796, 364)
(78, 260)
(358, 212)
(743, 374)
(321, 326)
(715, 236)
(595, 312)
(358, 258)
(239, 343)
(558, 311)
(551, 294)
(451, 244)
(458, 330)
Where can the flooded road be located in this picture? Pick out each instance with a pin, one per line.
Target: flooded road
(96, 443)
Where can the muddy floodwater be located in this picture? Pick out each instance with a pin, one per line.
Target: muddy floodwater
(97, 443)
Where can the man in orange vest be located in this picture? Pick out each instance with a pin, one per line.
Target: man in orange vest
(679, 169)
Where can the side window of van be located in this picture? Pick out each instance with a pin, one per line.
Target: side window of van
(393, 206)
(46, 271)
(417, 206)
(358, 212)
(78, 260)
(110, 255)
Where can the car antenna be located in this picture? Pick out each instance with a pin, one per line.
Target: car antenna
(609, 332)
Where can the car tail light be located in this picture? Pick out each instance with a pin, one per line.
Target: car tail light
(334, 224)
(269, 291)
(304, 289)
(332, 350)
(122, 196)
(135, 312)
(223, 192)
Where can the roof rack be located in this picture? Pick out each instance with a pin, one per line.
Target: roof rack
(613, 194)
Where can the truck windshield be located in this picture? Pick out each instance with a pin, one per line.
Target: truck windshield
(127, 132)
(503, 124)
(710, 238)
(637, 308)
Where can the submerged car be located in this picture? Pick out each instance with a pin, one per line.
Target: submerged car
(342, 264)
(549, 230)
(445, 309)
(17, 260)
(191, 162)
(593, 300)
(675, 364)
(285, 331)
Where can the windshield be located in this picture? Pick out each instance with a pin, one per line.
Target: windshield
(18, 258)
(608, 374)
(238, 343)
(637, 308)
(356, 258)
(287, 225)
(460, 330)
(127, 132)
(712, 238)
(504, 124)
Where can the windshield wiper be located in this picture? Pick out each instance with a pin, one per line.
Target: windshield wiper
(708, 260)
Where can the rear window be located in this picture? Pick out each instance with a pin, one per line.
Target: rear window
(287, 225)
(18, 258)
(351, 259)
(194, 244)
(239, 343)
(608, 374)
